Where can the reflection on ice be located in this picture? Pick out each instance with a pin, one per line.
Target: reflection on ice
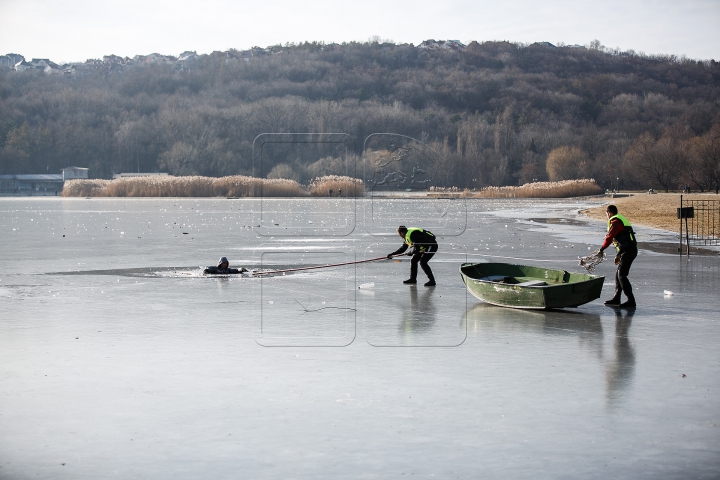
(486, 317)
(421, 316)
(619, 372)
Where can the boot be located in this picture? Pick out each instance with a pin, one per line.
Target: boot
(627, 288)
(615, 301)
(630, 303)
(413, 274)
(428, 271)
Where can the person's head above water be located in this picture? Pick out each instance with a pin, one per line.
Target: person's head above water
(223, 262)
(402, 231)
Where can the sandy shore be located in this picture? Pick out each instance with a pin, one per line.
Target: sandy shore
(652, 210)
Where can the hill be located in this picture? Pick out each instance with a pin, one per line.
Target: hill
(493, 113)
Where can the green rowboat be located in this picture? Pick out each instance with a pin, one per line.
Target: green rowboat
(523, 286)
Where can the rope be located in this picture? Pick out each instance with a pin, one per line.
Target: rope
(317, 266)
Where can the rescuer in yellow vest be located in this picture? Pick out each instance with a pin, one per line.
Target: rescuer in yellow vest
(424, 246)
(621, 233)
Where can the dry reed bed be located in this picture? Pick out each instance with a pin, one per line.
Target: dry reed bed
(335, 185)
(196, 186)
(657, 210)
(563, 189)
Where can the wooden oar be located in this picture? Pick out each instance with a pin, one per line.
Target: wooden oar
(318, 266)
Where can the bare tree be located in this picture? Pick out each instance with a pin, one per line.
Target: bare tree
(662, 161)
(704, 159)
(566, 163)
(181, 159)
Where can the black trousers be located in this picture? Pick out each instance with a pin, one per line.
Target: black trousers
(622, 284)
(423, 258)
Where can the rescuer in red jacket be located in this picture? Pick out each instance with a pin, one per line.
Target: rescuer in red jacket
(621, 234)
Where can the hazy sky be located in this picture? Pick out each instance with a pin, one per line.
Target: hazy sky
(75, 30)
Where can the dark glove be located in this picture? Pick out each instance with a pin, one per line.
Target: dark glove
(390, 255)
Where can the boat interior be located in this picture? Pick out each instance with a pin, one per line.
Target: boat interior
(520, 281)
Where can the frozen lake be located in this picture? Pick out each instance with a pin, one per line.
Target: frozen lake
(119, 359)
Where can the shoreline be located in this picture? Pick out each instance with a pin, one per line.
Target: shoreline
(658, 210)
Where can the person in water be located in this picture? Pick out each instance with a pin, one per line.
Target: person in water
(424, 246)
(621, 234)
(223, 268)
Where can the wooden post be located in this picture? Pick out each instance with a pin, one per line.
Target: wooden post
(685, 212)
(680, 218)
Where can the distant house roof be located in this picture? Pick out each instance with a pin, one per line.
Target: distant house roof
(544, 44)
(22, 65)
(15, 57)
(43, 62)
(187, 55)
(441, 45)
(154, 58)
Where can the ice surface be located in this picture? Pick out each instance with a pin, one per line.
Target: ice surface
(118, 358)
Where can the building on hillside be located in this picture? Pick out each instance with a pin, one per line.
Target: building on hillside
(41, 64)
(22, 65)
(236, 56)
(456, 45)
(45, 65)
(186, 60)
(187, 55)
(453, 45)
(544, 44)
(70, 70)
(154, 58)
(11, 59)
(116, 59)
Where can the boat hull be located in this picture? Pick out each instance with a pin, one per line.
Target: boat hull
(523, 286)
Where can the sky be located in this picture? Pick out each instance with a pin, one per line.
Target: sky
(76, 30)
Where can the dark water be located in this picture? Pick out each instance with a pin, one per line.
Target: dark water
(119, 359)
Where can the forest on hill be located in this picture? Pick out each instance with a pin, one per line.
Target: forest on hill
(493, 113)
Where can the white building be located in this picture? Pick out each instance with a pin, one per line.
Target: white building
(73, 173)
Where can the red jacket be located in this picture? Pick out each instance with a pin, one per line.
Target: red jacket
(616, 227)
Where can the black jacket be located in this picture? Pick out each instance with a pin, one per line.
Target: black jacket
(420, 240)
(222, 271)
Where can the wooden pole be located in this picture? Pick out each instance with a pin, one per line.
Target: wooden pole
(680, 248)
